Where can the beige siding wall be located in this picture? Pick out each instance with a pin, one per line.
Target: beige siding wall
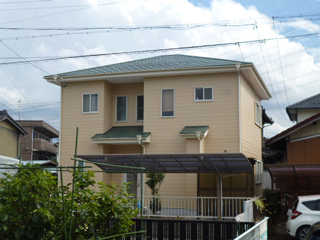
(89, 124)
(131, 91)
(251, 133)
(310, 130)
(9, 140)
(221, 115)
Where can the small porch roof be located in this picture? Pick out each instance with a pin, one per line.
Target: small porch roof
(175, 163)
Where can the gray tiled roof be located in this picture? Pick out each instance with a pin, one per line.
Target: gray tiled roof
(308, 103)
(165, 62)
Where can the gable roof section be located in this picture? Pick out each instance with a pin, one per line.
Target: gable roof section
(5, 116)
(293, 129)
(160, 66)
(165, 62)
(312, 102)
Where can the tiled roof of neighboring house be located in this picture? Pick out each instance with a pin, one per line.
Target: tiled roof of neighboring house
(293, 129)
(123, 132)
(312, 102)
(165, 62)
(193, 129)
(5, 116)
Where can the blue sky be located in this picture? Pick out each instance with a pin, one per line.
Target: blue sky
(289, 66)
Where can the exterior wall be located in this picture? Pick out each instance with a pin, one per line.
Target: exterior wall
(303, 114)
(130, 90)
(251, 139)
(304, 152)
(221, 115)
(9, 139)
(251, 133)
(26, 144)
(311, 130)
(89, 124)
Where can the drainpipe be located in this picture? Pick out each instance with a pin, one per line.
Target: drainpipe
(239, 90)
(31, 150)
(198, 134)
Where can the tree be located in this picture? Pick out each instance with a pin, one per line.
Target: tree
(31, 207)
(154, 183)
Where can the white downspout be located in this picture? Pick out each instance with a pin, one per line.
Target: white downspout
(239, 90)
(198, 134)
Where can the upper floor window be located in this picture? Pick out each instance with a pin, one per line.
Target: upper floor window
(140, 106)
(90, 103)
(203, 94)
(258, 114)
(167, 103)
(121, 114)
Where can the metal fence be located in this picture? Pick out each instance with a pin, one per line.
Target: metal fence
(192, 207)
(174, 229)
(257, 232)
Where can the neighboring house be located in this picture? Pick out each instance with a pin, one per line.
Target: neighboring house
(304, 109)
(38, 144)
(10, 132)
(179, 104)
(299, 144)
(299, 150)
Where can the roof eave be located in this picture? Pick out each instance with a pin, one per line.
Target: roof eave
(120, 140)
(142, 74)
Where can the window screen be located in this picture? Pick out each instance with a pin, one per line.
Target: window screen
(90, 103)
(203, 94)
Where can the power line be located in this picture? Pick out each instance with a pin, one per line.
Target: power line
(57, 13)
(160, 50)
(23, 2)
(23, 57)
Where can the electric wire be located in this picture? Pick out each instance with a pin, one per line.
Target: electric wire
(265, 63)
(159, 50)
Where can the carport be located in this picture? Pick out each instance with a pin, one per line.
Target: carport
(232, 163)
(295, 180)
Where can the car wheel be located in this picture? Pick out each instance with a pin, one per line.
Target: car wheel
(302, 232)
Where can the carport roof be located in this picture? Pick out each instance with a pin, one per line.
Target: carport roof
(175, 163)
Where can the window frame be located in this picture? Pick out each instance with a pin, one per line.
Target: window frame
(90, 103)
(137, 108)
(203, 100)
(257, 110)
(174, 108)
(116, 112)
(259, 171)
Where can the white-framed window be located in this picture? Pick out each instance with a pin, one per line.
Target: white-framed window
(121, 109)
(202, 94)
(90, 102)
(167, 103)
(258, 114)
(259, 171)
(140, 106)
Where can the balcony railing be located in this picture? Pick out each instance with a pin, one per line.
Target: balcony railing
(193, 207)
(42, 145)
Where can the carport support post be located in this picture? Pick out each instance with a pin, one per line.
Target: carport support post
(219, 195)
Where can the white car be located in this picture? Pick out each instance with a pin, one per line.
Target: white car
(304, 213)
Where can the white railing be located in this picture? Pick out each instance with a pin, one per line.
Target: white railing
(192, 207)
(257, 232)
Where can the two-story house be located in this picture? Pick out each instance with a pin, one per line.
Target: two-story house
(38, 145)
(10, 132)
(179, 104)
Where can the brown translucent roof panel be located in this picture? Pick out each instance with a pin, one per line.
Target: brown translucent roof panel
(301, 179)
(175, 163)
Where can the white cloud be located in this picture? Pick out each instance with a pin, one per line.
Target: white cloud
(298, 67)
